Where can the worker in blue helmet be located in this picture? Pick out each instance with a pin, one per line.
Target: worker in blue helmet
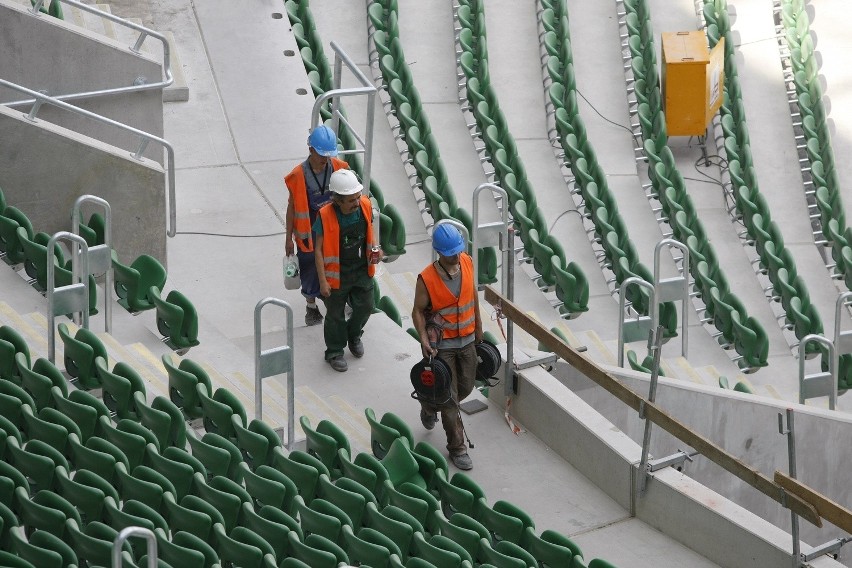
(308, 187)
(446, 317)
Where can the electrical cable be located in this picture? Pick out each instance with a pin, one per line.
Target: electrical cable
(632, 134)
(231, 236)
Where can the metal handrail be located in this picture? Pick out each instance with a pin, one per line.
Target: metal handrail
(143, 34)
(273, 362)
(74, 297)
(41, 98)
(100, 256)
(622, 302)
(674, 288)
(150, 545)
(498, 228)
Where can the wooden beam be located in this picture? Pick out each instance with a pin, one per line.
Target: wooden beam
(652, 412)
(832, 512)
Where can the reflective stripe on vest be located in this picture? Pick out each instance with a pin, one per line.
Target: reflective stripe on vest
(298, 188)
(459, 313)
(331, 240)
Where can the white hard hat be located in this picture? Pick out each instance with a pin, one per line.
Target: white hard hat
(345, 182)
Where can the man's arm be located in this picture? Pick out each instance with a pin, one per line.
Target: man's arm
(418, 316)
(325, 288)
(289, 218)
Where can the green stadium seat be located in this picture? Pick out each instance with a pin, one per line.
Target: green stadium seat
(177, 319)
(80, 353)
(133, 283)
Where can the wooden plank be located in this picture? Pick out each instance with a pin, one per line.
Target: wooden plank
(835, 514)
(651, 411)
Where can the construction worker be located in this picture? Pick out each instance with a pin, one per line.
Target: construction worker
(445, 297)
(345, 266)
(307, 185)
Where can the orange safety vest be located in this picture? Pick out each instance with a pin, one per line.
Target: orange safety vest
(459, 313)
(298, 188)
(331, 240)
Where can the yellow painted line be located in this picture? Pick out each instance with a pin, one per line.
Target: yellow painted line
(275, 402)
(157, 386)
(572, 339)
(359, 428)
(148, 356)
(689, 370)
(20, 325)
(595, 340)
(773, 392)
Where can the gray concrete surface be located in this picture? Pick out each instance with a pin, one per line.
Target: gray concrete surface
(46, 195)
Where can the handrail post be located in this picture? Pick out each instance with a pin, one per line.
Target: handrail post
(636, 326)
(66, 299)
(821, 383)
(150, 545)
(655, 340)
(275, 361)
(790, 432)
(366, 88)
(489, 231)
(674, 288)
(100, 256)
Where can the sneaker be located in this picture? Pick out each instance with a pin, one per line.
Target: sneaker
(357, 347)
(428, 420)
(338, 364)
(313, 316)
(462, 461)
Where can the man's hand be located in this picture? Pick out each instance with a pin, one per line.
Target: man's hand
(325, 289)
(427, 349)
(288, 247)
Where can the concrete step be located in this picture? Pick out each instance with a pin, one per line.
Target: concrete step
(598, 350)
(155, 383)
(35, 337)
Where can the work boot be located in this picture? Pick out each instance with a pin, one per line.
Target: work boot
(313, 316)
(428, 420)
(462, 461)
(338, 364)
(356, 346)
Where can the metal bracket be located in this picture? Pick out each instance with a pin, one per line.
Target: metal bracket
(676, 460)
(536, 361)
(830, 547)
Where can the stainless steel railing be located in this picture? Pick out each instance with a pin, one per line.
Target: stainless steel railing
(40, 98)
(138, 85)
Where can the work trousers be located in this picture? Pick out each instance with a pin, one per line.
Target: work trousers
(357, 290)
(462, 363)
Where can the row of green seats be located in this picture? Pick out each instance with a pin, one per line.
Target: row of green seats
(137, 286)
(736, 328)
(825, 188)
(800, 314)
(541, 249)
(618, 251)
(391, 226)
(415, 130)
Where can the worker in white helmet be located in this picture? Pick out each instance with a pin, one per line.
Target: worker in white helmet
(344, 241)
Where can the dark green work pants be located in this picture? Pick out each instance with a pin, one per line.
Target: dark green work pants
(357, 289)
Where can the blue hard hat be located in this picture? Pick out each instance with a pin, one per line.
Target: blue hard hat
(323, 140)
(447, 240)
